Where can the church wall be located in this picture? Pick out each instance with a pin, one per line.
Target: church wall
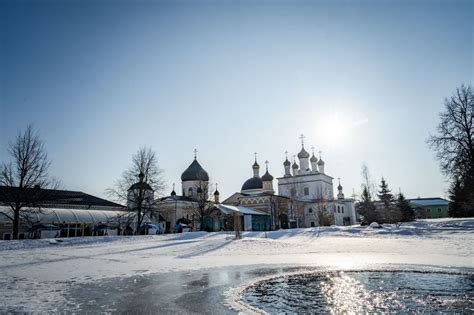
(193, 184)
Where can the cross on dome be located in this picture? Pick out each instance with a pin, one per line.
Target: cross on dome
(195, 152)
(302, 136)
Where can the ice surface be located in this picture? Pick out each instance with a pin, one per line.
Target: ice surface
(33, 272)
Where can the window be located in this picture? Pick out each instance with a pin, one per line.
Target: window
(428, 210)
(338, 209)
(312, 224)
(342, 209)
(306, 191)
(190, 192)
(7, 236)
(293, 192)
(439, 209)
(310, 210)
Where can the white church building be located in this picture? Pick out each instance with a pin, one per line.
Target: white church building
(305, 196)
(310, 190)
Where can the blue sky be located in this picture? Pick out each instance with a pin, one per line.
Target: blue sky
(363, 80)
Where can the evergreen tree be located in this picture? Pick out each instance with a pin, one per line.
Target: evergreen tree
(462, 196)
(366, 208)
(385, 194)
(406, 211)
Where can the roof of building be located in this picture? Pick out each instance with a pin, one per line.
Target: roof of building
(252, 183)
(303, 154)
(267, 177)
(59, 215)
(177, 198)
(226, 209)
(54, 197)
(141, 185)
(436, 201)
(195, 172)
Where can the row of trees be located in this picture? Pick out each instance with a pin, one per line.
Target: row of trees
(389, 208)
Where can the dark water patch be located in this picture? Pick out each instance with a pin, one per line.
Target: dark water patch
(363, 291)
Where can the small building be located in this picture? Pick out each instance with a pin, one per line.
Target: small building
(221, 218)
(430, 208)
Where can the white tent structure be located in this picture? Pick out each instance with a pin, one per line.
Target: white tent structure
(68, 222)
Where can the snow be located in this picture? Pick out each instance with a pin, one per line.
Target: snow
(33, 270)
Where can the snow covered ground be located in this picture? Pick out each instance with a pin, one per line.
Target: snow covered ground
(34, 274)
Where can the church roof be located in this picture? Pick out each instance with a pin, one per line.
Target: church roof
(286, 163)
(313, 158)
(195, 172)
(139, 185)
(252, 183)
(303, 154)
(267, 177)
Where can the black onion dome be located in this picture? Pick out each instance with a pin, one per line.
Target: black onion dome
(313, 158)
(195, 172)
(295, 166)
(321, 162)
(216, 193)
(286, 163)
(255, 165)
(303, 154)
(252, 183)
(140, 185)
(339, 187)
(267, 177)
(173, 193)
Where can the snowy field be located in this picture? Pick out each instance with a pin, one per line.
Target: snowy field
(35, 274)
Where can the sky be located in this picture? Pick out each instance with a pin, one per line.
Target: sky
(364, 81)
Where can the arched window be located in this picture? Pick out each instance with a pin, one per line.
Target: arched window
(190, 192)
(312, 224)
(342, 208)
(338, 209)
(310, 210)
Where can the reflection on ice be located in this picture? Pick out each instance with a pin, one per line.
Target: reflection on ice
(337, 292)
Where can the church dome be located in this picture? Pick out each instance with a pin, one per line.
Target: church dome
(195, 172)
(216, 193)
(321, 162)
(252, 183)
(267, 177)
(303, 154)
(140, 185)
(286, 163)
(295, 166)
(339, 187)
(313, 159)
(255, 165)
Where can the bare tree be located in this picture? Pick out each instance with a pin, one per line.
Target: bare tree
(25, 180)
(325, 217)
(138, 186)
(202, 205)
(454, 141)
(454, 147)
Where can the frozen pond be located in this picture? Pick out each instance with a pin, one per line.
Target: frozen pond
(363, 291)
